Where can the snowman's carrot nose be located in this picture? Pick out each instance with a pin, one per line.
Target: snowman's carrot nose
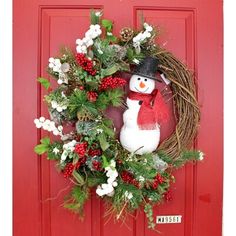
(142, 85)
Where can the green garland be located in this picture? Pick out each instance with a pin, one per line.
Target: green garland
(89, 83)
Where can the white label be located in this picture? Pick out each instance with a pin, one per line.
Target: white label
(165, 79)
(176, 219)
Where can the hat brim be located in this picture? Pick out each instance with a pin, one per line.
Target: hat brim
(141, 74)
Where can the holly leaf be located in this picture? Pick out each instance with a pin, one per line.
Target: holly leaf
(111, 38)
(45, 141)
(107, 24)
(41, 148)
(44, 82)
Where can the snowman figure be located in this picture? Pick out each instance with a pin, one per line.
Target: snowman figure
(140, 132)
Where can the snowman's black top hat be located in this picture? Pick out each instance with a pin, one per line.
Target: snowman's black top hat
(147, 68)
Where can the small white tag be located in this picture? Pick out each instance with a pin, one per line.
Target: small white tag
(176, 219)
(167, 82)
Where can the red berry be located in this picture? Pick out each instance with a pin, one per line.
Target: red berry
(155, 184)
(112, 83)
(81, 87)
(92, 96)
(119, 162)
(128, 177)
(168, 196)
(95, 152)
(97, 165)
(159, 179)
(85, 63)
(80, 149)
(68, 170)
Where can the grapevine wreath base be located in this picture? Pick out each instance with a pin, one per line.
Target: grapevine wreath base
(87, 149)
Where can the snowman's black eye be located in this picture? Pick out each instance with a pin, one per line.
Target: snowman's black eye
(145, 80)
(139, 78)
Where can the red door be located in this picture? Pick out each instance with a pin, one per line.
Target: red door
(192, 29)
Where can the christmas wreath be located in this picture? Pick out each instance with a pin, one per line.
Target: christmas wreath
(126, 168)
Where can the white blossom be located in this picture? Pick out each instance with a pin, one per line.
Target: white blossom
(64, 155)
(60, 128)
(82, 44)
(42, 119)
(108, 188)
(136, 61)
(201, 155)
(99, 131)
(98, 13)
(55, 150)
(54, 64)
(67, 149)
(141, 37)
(59, 81)
(141, 178)
(59, 107)
(147, 27)
(109, 33)
(100, 51)
(128, 195)
(48, 125)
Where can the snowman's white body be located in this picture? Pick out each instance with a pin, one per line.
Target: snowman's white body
(132, 137)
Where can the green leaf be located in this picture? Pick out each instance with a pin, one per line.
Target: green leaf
(130, 54)
(116, 96)
(76, 199)
(105, 162)
(41, 148)
(107, 24)
(45, 141)
(44, 82)
(78, 178)
(110, 70)
(110, 132)
(94, 19)
(103, 142)
(111, 38)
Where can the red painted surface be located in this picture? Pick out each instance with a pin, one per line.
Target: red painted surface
(192, 29)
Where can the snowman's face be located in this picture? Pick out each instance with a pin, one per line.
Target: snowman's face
(141, 84)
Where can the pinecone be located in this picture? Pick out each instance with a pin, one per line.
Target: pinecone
(126, 34)
(83, 115)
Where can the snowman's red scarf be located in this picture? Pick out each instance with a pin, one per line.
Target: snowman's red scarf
(153, 109)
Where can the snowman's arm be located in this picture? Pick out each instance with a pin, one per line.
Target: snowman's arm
(129, 119)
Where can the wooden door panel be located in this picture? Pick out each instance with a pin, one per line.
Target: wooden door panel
(192, 30)
(176, 28)
(60, 26)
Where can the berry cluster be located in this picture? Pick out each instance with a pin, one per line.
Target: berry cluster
(157, 180)
(92, 96)
(69, 168)
(95, 152)
(85, 63)
(81, 148)
(112, 83)
(168, 196)
(97, 165)
(128, 178)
